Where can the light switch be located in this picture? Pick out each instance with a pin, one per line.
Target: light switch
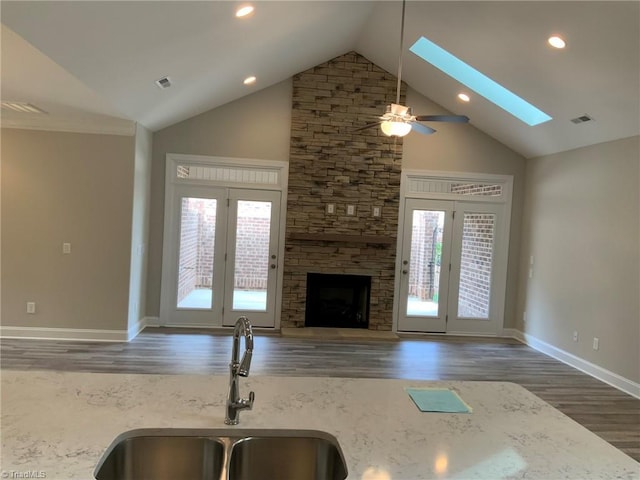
(66, 248)
(331, 208)
(351, 210)
(376, 211)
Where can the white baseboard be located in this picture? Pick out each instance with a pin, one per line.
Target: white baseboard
(152, 322)
(136, 328)
(43, 333)
(513, 333)
(85, 334)
(602, 374)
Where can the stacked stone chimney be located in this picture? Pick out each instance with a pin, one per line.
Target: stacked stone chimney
(333, 164)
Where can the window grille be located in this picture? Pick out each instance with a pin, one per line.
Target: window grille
(215, 173)
(455, 187)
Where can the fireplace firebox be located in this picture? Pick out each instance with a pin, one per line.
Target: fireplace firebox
(335, 300)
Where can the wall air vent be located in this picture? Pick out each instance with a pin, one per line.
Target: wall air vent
(582, 119)
(164, 82)
(22, 107)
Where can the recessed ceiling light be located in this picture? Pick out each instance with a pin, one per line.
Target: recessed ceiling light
(249, 80)
(464, 97)
(244, 11)
(556, 42)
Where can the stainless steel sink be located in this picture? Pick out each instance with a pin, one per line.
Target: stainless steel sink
(160, 455)
(222, 454)
(287, 458)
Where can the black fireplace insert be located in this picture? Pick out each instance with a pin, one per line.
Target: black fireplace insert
(335, 300)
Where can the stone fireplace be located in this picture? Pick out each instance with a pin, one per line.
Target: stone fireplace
(344, 186)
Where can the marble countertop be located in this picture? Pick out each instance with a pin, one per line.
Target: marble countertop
(58, 424)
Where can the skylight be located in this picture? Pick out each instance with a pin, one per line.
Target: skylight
(478, 82)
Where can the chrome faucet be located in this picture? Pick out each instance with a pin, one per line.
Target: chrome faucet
(239, 368)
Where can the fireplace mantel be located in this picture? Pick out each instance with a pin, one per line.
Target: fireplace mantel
(339, 237)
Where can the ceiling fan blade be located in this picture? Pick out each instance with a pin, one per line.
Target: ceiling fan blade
(366, 126)
(443, 118)
(418, 127)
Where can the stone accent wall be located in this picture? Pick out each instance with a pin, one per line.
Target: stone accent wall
(330, 163)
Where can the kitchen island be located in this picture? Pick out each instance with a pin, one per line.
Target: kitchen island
(58, 424)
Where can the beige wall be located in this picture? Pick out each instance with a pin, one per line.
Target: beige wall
(463, 148)
(581, 225)
(256, 126)
(66, 187)
(140, 228)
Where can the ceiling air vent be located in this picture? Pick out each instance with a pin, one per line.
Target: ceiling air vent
(582, 119)
(164, 82)
(21, 107)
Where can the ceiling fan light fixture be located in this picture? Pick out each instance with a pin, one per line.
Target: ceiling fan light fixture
(395, 129)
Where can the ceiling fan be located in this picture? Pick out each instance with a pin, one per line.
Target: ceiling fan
(398, 120)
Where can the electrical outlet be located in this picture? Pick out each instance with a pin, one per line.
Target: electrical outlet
(66, 248)
(575, 335)
(596, 343)
(31, 307)
(351, 210)
(331, 208)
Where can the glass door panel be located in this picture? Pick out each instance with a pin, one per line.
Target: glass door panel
(193, 266)
(425, 262)
(423, 275)
(476, 264)
(251, 272)
(252, 261)
(196, 253)
(472, 307)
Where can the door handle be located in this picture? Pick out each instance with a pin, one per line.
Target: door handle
(404, 272)
(273, 265)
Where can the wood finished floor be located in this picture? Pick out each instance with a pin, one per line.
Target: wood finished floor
(609, 413)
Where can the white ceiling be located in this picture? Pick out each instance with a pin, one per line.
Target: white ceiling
(98, 60)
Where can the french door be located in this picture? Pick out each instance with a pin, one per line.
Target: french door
(221, 256)
(450, 277)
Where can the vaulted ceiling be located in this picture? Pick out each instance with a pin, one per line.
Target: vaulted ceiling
(96, 61)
